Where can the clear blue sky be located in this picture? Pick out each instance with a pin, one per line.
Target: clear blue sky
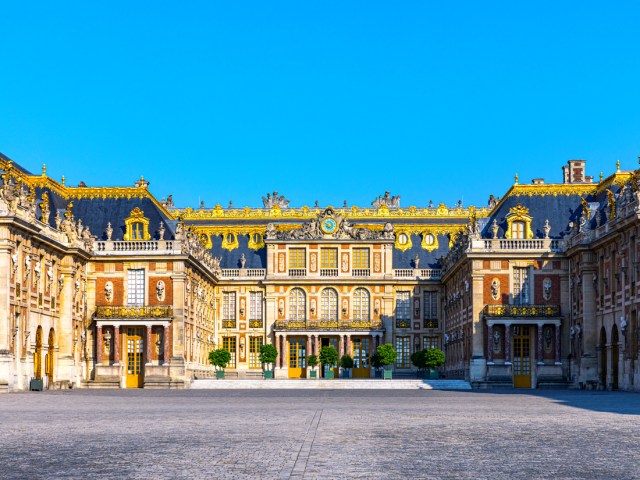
(319, 100)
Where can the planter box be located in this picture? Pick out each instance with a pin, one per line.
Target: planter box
(434, 374)
(346, 374)
(329, 374)
(388, 374)
(267, 374)
(313, 374)
(36, 385)
(219, 374)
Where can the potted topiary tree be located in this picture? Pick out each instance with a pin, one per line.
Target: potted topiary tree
(312, 361)
(219, 358)
(387, 358)
(434, 359)
(418, 359)
(328, 358)
(268, 355)
(346, 362)
(375, 363)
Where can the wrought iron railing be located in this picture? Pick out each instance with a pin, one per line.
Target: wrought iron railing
(127, 311)
(522, 310)
(229, 323)
(403, 323)
(256, 323)
(355, 324)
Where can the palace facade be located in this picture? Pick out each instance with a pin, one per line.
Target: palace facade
(111, 287)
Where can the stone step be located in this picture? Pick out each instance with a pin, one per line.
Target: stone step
(336, 384)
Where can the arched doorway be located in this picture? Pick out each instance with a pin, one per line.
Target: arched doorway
(37, 355)
(603, 357)
(48, 367)
(615, 351)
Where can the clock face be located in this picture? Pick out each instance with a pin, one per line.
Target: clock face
(328, 225)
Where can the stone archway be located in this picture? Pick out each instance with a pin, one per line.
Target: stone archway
(603, 357)
(48, 368)
(615, 352)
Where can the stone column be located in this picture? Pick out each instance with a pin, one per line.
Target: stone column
(489, 343)
(165, 345)
(340, 346)
(347, 345)
(99, 345)
(557, 345)
(6, 358)
(148, 344)
(588, 363)
(539, 346)
(65, 368)
(116, 344)
(308, 346)
(477, 362)
(507, 343)
(609, 353)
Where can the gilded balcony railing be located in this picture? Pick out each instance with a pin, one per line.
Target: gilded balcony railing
(403, 323)
(522, 310)
(354, 324)
(127, 311)
(256, 324)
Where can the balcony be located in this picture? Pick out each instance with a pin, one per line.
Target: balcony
(361, 272)
(256, 323)
(243, 273)
(134, 312)
(518, 245)
(161, 247)
(328, 272)
(418, 274)
(337, 325)
(403, 323)
(298, 272)
(229, 323)
(527, 311)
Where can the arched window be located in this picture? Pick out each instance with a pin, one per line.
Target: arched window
(361, 304)
(329, 304)
(297, 304)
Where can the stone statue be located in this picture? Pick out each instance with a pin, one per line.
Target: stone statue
(497, 341)
(161, 231)
(495, 289)
(271, 232)
(416, 262)
(243, 261)
(108, 291)
(546, 228)
(276, 199)
(160, 287)
(388, 200)
(546, 289)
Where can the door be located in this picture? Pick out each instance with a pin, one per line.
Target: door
(521, 356)
(297, 357)
(360, 353)
(135, 350)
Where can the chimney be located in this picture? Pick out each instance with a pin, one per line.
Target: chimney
(575, 172)
(538, 181)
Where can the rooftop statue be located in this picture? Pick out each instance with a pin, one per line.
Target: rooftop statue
(388, 200)
(270, 201)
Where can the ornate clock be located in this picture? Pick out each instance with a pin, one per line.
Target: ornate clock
(328, 225)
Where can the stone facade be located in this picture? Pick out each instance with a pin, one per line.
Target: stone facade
(109, 287)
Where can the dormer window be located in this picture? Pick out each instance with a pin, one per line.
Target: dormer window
(517, 230)
(136, 226)
(518, 223)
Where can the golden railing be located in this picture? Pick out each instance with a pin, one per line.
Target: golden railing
(328, 324)
(522, 310)
(147, 311)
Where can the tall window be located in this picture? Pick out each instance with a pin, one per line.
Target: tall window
(517, 230)
(361, 304)
(137, 231)
(255, 306)
(403, 305)
(429, 342)
(360, 258)
(329, 258)
(135, 287)
(254, 352)
(521, 285)
(430, 309)
(228, 309)
(403, 349)
(297, 304)
(297, 258)
(329, 304)
(229, 344)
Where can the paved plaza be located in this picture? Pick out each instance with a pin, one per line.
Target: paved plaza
(326, 434)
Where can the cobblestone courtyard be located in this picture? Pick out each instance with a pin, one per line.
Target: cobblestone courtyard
(319, 434)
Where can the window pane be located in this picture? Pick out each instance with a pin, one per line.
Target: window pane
(361, 304)
(297, 258)
(403, 307)
(329, 258)
(329, 304)
(229, 306)
(135, 287)
(255, 306)
(360, 258)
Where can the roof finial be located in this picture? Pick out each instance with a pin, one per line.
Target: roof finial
(44, 169)
(601, 176)
(618, 166)
(516, 179)
(63, 179)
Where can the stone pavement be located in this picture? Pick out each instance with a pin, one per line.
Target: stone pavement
(335, 384)
(212, 434)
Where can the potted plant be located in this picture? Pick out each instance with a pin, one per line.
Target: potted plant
(328, 358)
(346, 362)
(387, 358)
(434, 359)
(268, 355)
(375, 363)
(219, 358)
(312, 361)
(418, 359)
